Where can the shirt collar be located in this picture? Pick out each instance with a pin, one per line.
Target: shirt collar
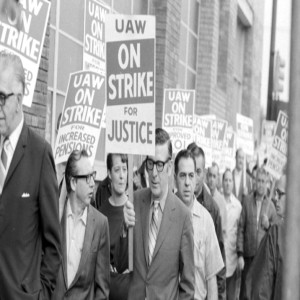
(232, 200)
(196, 210)
(83, 216)
(162, 201)
(14, 136)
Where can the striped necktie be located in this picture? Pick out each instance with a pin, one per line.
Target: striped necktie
(3, 164)
(153, 230)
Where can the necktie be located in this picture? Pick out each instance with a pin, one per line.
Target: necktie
(3, 164)
(153, 230)
(4, 154)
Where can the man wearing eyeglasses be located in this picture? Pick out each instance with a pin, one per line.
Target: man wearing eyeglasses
(163, 261)
(84, 273)
(264, 279)
(30, 248)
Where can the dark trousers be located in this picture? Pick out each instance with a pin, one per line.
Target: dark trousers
(232, 285)
(248, 261)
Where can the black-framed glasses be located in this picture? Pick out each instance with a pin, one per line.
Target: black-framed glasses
(279, 193)
(4, 97)
(159, 164)
(87, 177)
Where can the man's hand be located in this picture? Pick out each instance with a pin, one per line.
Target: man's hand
(241, 263)
(129, 214)
(265, 222)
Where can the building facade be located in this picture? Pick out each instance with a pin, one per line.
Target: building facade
(212, 46)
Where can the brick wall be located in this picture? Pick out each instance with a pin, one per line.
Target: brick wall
(215, 64)
(167, 48)
(35, 116)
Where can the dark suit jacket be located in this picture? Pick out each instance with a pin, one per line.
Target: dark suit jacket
(93, 275)
(171, 274)
(29, 225)
(240, 189)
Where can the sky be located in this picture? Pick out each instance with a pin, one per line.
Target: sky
(282, 44)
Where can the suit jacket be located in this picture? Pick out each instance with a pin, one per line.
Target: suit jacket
(171, 273)
(93, 275)
(264, 278)
(240, 189)
(30, 250)
(251, 232)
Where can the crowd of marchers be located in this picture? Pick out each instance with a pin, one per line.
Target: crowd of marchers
(207, 236)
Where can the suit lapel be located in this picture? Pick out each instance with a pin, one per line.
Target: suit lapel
(87, 243)
(18, 154)
(64, 245)
(165, 222)
(145, 211)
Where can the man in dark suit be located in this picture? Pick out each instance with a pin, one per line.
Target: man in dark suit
(163, 261)
(241, 186)
(84, 273)
(29, 223)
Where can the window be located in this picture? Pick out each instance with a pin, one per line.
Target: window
(188, 44)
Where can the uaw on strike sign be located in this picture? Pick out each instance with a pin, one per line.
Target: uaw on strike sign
(80, 124)
(202, 136)
(130, 112)
(277, 157)
(94, 36)
(178, 114)
(28, 42)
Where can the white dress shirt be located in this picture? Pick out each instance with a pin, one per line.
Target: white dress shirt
(237, 181)
(234, 209)
(75, 237)
(13, 141)
(207, 254)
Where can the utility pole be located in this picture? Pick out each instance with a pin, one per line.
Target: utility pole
(291, 259)
(271, 65)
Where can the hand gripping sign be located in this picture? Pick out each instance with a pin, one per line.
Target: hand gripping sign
(130, 113)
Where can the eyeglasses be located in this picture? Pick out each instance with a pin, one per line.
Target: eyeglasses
(279, 193)
(159, 164)
(4, 97)
(87, 177)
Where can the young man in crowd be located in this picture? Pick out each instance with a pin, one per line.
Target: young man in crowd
(206, 200)
(207, 255)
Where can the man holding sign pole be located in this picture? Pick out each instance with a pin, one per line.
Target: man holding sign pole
(163, 261)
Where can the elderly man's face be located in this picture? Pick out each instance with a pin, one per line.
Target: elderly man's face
(11, 111)
(261, 184)
(239, 159)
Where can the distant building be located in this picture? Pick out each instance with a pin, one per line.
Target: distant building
(212, 46)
